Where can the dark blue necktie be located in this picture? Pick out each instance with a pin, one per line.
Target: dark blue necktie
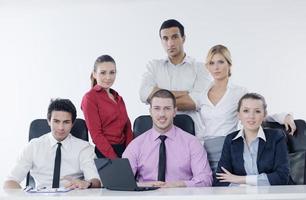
(57, 167)
(162, 159)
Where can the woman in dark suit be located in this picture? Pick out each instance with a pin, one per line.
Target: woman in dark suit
(253, 156)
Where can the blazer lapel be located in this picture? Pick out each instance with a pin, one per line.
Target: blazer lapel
(261, 147)
(237, 149)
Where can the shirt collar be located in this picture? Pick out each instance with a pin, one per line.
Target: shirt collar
(260, 134)
(98, 88)
(170, 134)
(65, 142)
(187, 59)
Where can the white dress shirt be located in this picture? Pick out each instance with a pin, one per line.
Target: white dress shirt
(221, 119)
(77, 160)
(188, 76)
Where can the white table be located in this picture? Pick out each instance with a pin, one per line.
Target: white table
(209, 193)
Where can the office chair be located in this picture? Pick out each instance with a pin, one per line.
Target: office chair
(296, 145)
(144, 123)
(39, 127)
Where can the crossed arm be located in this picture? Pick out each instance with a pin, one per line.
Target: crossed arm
(183, 100)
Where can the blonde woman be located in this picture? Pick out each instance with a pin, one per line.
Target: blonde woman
(219, 104)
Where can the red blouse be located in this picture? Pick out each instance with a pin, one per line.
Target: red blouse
(107, 121)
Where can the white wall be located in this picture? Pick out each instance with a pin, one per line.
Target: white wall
(47, 49)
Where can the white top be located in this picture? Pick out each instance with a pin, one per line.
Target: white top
(221, 119)
(188, 76)
(39, 155)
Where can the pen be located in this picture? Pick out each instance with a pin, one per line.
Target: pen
(28, 188)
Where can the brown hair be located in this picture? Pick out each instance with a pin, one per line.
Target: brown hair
(162, 93)
(99, 60)
(253, 96)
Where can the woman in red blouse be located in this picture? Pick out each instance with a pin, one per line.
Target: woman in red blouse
(104, 111)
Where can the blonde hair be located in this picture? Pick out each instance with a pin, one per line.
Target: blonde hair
(219, 49)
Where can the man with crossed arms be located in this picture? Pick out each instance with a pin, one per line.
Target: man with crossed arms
(179, 73)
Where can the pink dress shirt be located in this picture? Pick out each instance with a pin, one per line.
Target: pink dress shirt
(186, 158)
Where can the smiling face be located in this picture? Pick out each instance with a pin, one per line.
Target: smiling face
(105, 74)
(162, 112)
(251, 114)
(218, 67)
(172, 42)
(60, 124)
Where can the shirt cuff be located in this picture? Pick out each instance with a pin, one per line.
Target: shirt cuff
(279, 117)
(195, 98)
(251, 179)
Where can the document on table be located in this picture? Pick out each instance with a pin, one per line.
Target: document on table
(46, 190)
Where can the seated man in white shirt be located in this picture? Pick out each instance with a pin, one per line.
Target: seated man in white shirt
(57, 159)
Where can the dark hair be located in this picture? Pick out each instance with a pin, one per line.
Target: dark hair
(62, 105)
(162, 93)
(253, 96)
(172, 23)
(101, 59)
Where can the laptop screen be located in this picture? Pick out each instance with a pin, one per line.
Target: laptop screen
(116, 174)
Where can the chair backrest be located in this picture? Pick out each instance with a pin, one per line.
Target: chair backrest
(39, 127)
(296, 145)
(296, 142)
(144, 123)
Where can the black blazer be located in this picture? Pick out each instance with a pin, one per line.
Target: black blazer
(272, 157)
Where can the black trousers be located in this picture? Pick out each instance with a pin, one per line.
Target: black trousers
(118, 148)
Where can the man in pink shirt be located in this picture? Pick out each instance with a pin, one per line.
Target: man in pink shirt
(167, 156)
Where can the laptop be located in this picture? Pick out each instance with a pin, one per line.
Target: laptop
(117, 174)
